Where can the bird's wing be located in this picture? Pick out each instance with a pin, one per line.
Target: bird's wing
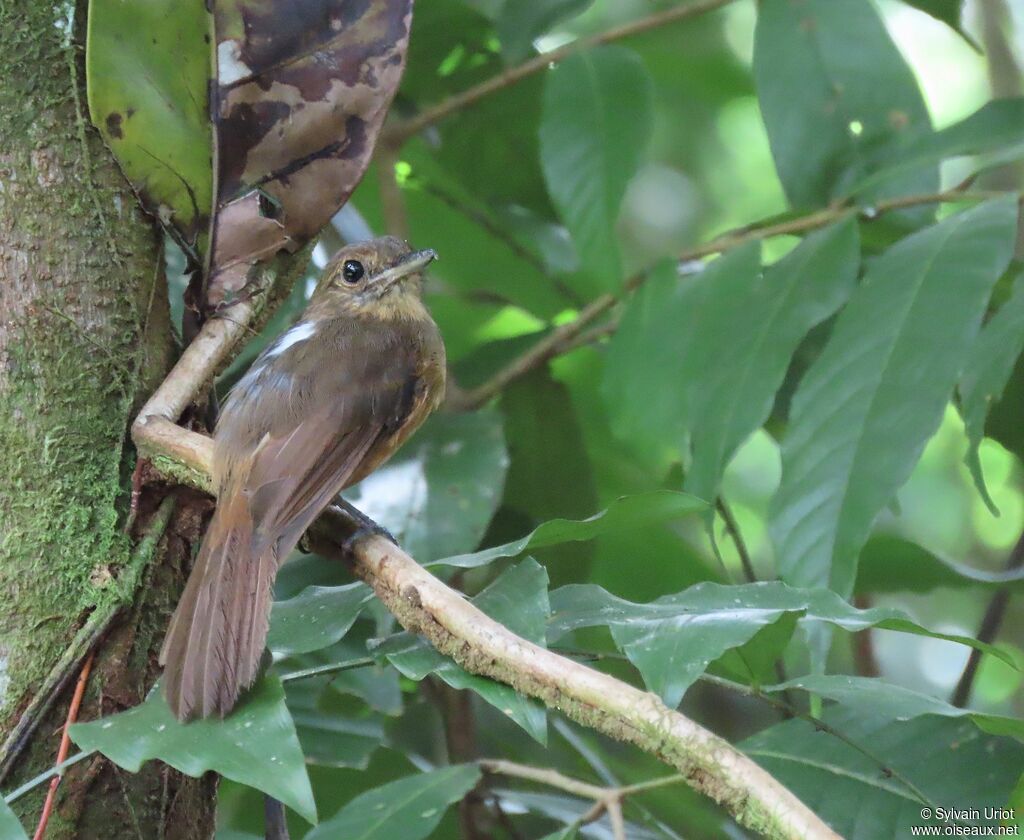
(333, 422)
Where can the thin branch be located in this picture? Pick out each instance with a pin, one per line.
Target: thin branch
(989, 629)
(606, 799)
(563, 336)
(65, 746)
(732, 527)
(401, 132)
(425, 605)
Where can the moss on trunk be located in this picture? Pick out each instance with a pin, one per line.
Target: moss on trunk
(83, 328)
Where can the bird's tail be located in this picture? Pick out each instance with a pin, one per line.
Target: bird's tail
(215, 640)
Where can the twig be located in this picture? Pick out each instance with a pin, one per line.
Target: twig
(401, 132)
(732, 527)
(989, 629)
(564, 335)
(606, 799)
(65, 746)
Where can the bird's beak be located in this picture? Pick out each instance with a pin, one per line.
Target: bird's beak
(411, 264)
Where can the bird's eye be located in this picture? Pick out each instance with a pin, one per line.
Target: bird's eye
(352, 271)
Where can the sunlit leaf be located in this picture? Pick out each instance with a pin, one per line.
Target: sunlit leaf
(988, 368)
(949, 763)
(888, 702)
(598, 113)
(408, 809)
(838, 99)
(148, 73)
(673, 639)
(950, 12)
(865, 409)
(627, 512)
(255, 745)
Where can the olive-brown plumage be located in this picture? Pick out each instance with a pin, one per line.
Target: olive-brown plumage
(320, 409)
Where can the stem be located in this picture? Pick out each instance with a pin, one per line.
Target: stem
(65, 746)
(989, 629)
(401, 132)
(563, 336)
(733, 529)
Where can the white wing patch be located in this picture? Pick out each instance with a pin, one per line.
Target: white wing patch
(300, 332)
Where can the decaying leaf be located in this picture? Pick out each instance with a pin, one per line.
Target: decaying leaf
(302, 91)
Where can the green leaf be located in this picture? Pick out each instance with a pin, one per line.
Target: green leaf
(949, 762)
(657, 349)
(10, 827)
(255, 745)
(568, 833)
(438, 494)
(521, 22)
(996, 126)
(889, 563)
(148, 74)
(837, 99)
(637, 511)
(751, 331)
(672, 640)
(329, 735)
(866, 407)
(596, 123)
(989, 365)
(518, 599)
(408, 809)
(316, 618)
(889, 702)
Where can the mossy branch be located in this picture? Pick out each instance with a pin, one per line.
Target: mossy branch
(425, 605)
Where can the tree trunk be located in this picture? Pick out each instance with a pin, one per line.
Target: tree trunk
(84, 334)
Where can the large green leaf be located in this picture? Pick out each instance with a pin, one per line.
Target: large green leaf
(657, 349)
(865, 409)
(10, 827)
(989, 365)
(438, 494)
(672, 640)
(329, 735)
(996, 126)
(889, 563)
(949, 762)
(518, 598)
(597, 118)
(409, 809)
(837, 98)
(751, 331)
(255, 745)
(148, 76)
(627, 512)
(317, 617)
(889, 702)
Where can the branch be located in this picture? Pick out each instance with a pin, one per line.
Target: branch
(564, 336)
(606, 799)
(399, 133)
(423, 604)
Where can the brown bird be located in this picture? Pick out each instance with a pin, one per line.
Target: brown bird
(319, 409)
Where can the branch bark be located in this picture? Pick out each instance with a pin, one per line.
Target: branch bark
(425, 605)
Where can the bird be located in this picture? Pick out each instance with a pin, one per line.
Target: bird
(324, 405)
